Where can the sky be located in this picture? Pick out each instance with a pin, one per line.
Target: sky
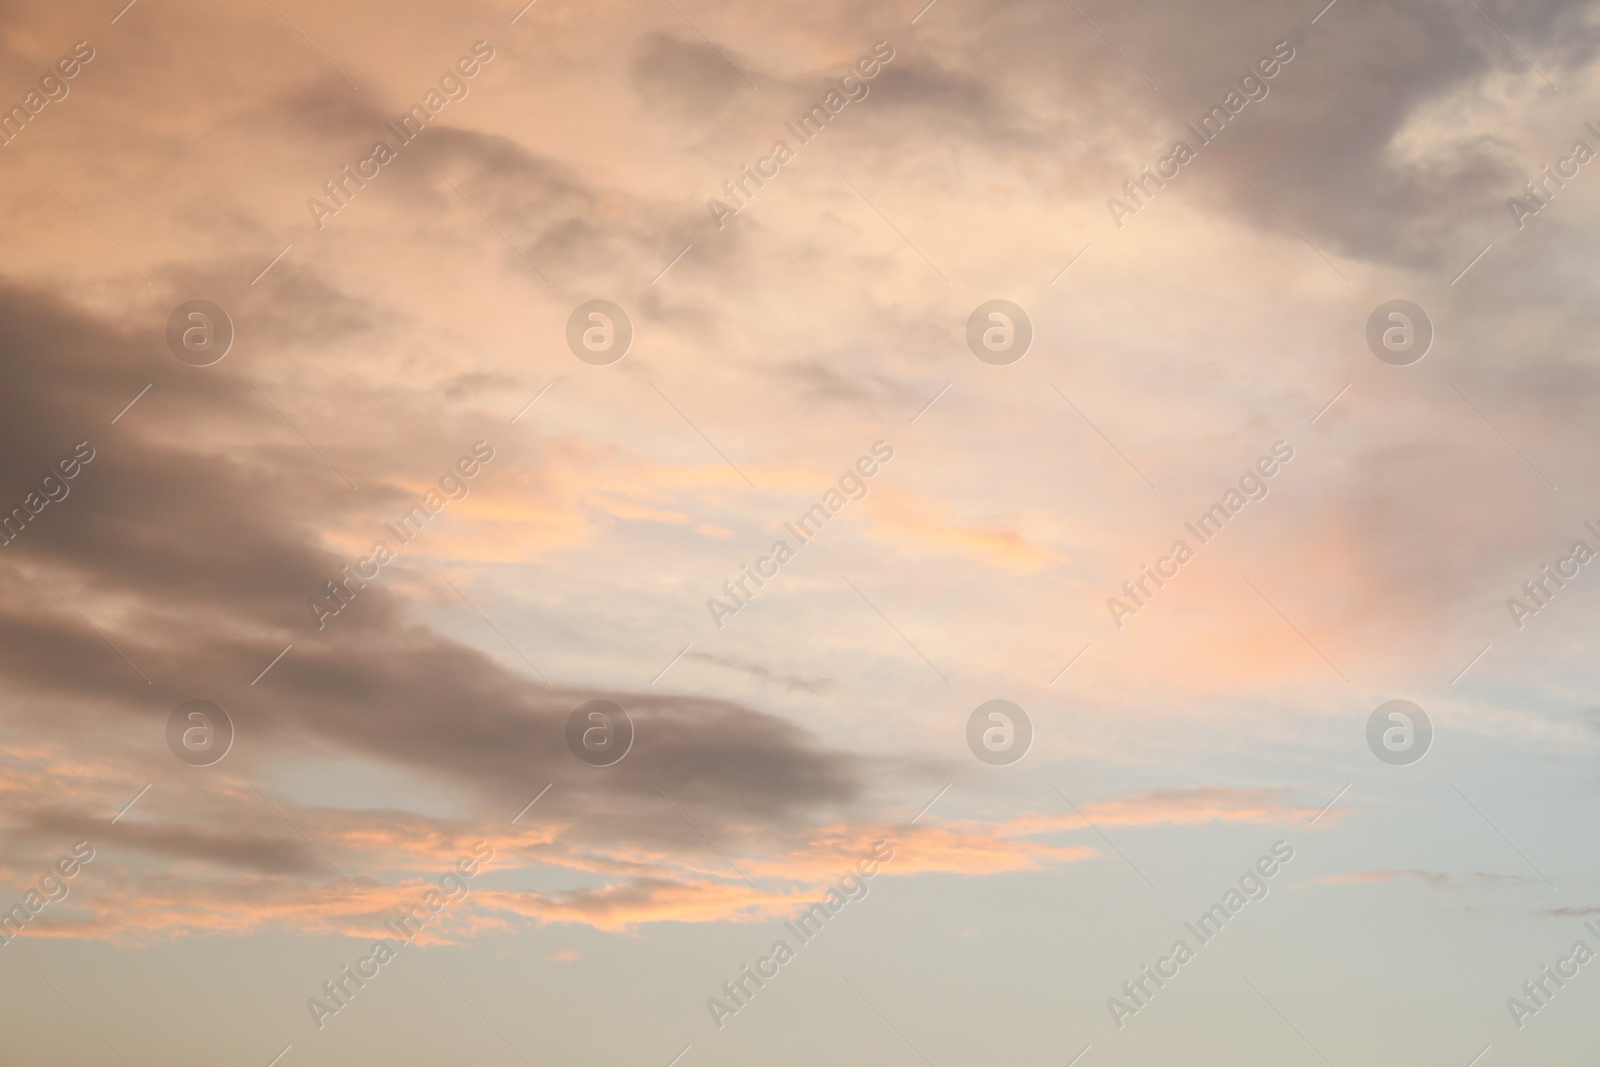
(384, 385)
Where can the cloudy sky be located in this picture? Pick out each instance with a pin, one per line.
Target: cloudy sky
(249, 321)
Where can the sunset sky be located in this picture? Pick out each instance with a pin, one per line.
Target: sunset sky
(803, 365)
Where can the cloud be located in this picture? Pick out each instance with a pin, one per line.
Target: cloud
(691, 78)
(1201, 804)
(1433, 879)
(414, 325)
(761, 673)
(195, 566)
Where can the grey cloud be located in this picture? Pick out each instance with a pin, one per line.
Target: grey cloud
(1319, 144)
(689, 78)
(756, 670)
(823, 382)
(237, 847)
(215, 556)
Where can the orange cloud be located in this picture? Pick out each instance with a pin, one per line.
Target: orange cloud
(127, 900)
(906, 519)
(1177, 807)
